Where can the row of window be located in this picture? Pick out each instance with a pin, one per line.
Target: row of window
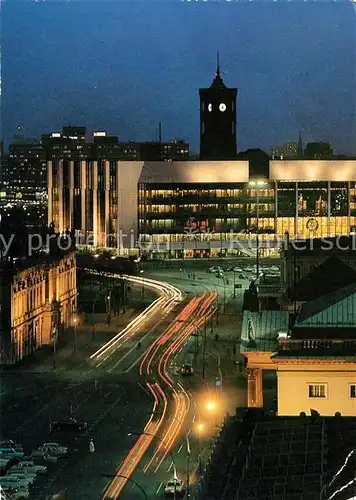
(321, 391)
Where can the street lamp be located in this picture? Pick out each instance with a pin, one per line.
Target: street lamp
(144, 433)
(257, 185)
(75, 322)
(188, 453)
(128, 479)
(200, 428)
(143, 283)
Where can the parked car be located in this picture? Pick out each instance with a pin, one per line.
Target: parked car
(10, 453)
(69, 424)
(54, 452)
(30, 466)
(186, 369)
(237, 269)
(174, 487)
(15, 493)
(62, 449)
(43, 456)
(220, 274)
(212, 269)
(8, 443)
(13, 481)
(22, 474)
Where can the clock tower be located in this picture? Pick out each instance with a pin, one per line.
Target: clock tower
(218, 120)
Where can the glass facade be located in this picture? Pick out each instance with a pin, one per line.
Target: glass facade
(208, 217)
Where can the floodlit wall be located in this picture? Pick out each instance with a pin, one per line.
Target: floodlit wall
(293, 388)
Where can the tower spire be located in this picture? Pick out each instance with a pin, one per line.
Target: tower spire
(217, 63)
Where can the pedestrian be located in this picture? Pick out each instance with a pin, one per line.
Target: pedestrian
(91, 446)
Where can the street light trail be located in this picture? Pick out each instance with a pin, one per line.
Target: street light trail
(161, 351)
(182, 399)
(182, 409)
(170, 296)
(139, 449)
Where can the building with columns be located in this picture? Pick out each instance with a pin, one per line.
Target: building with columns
(201, 208)
(38, 299)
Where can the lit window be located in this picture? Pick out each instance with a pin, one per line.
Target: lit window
(317, 390)
(352, 390)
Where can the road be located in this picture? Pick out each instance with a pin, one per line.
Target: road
(121, 389)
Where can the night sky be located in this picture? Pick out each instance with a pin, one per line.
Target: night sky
(124, 65)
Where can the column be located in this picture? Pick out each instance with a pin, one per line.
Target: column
(251, 387)
(349, 207)
(59, 226)
(254, 388)
(296, 212)
(107, 204)
(329, 210)
(71, 167)
(259, 389)
(276, 210)
(83, 198)
(96, 224)
(50, 191)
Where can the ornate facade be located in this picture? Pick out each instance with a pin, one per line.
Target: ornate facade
(36, 303)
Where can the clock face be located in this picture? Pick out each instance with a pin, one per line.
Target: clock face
(210, 107)
(222, 107)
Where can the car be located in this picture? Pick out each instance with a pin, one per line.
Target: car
(220, 274)
(14, 493)
(57, 446)
(212, 269)
(22, 474)
(8, 443)
(186, 369)
(248, 269)
(237, 269)
(69, 424)
(174, 488)
(43, 456)
(228, 268)
(53, 452)
(30, 466)
(13, 481)
(10, 453)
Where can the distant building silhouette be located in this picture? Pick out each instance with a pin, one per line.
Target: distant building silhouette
(218, 120)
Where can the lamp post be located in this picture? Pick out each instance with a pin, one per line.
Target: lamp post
(169, 451)
(200, 429)
(143, 283)
(128, 479)
(54, 335)
(75, 322)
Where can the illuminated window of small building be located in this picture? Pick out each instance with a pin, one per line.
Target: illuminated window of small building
(317, 390)
(352, 390)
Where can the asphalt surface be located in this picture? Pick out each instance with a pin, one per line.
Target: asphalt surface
(111, 395)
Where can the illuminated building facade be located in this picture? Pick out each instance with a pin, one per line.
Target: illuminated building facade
(37, 302)
(201, 208)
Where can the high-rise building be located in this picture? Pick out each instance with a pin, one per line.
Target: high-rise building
(218, 120)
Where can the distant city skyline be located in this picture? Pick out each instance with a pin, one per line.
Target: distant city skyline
(124, 66)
